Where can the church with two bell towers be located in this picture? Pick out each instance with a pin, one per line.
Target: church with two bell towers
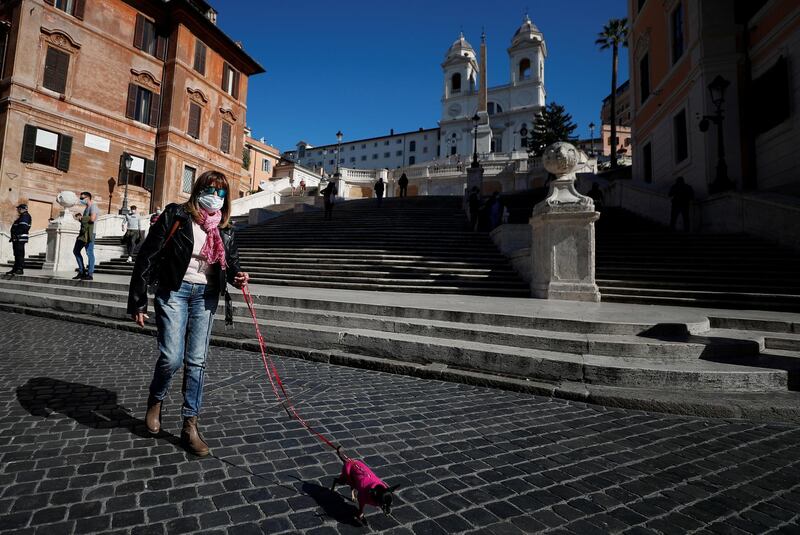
(504, 113)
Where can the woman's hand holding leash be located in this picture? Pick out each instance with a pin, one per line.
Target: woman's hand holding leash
(241, 279)
(139, 318)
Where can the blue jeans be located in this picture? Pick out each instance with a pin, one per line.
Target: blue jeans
(184, 318)
(79, 245)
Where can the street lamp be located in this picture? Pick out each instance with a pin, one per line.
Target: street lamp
(717, 89)
(591, 133)
(475, 163)
(128, 161)
(336, 174)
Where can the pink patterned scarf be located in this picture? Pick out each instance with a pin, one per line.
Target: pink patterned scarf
(213, 250)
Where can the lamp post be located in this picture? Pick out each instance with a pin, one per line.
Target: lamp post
(717, 89)
(336, 174)
(475, 163)
(128, 161)
(591, 140)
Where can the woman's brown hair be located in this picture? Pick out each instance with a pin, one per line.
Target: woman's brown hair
(218, 180)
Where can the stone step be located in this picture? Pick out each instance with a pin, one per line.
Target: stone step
(707, 294)
(505, 360)
(390, 286)
(692, 301)
(711, 284)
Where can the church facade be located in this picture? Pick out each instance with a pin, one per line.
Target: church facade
(505, 113)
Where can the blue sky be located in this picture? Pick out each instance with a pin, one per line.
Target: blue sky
(365, 66)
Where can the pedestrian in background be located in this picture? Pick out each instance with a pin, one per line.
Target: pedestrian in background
(327, 195)
(192, 251)
(403, 183)
(133, 233)
(302, 186)
(681, 194)
(495, 211)
(86, 237)
(379, 189)
(20, 231)
(154, 216)
(474, 204)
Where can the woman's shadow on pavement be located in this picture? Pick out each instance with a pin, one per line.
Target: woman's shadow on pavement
(88, 405)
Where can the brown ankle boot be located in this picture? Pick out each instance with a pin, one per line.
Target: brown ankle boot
(191, 439)
(152, 420)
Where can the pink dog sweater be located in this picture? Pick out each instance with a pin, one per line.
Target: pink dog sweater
(362, 479)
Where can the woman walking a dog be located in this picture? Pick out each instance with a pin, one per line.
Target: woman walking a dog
(189, 255)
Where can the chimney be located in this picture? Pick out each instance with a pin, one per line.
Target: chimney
(391, 131)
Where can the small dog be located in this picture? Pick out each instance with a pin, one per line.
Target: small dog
(368, 489)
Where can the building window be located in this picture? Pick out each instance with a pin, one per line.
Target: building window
(647, 163)
(146, 39)
(135, 176)
(412, 146)
(363, 145)
(771, 97)
(453, 150)
(341, 160)
(199, 56)
(225, 138)
(374, 156)
(73, 7)
(412, 160)
(386, 142)
(332, 162)
(230, 80)
(644, 77)
(194, 120)
(364, 158)
(46, 148)
(524, 69)
(677, 33)
(375, 144)
(399, 141)
(142, 172)
(266, 166)
(455, 83)
(386, 154)
(352, 159)
(424, 150)
(399, 153)
(56, 65)
(143, 106)
(681, 139)
(352, 147)
(493, 107)
(188, 178)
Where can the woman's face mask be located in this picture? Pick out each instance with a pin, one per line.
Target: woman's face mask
(210, 202)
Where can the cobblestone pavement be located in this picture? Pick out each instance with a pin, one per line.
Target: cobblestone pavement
(75, 458)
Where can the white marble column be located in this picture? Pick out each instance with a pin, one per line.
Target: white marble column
(562, 234)
(61, 235)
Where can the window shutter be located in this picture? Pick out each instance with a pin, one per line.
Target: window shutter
(130, 110)
(138, 34)
(64, 152)
(224, 84)
(225, 142)
(155, 109)
(236, 85)
(161, 47)
(61, 67)
(149, 174)
(194, 120)
(199, 56)
(121, 173)
(79, 8)
(28, 143)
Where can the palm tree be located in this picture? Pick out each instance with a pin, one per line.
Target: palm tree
(614, 34)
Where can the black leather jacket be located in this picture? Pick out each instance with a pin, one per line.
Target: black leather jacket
(169, 266)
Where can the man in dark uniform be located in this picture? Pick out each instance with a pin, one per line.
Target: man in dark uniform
(19, 237)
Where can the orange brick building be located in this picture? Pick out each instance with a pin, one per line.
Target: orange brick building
(677, 48)
(86, 82)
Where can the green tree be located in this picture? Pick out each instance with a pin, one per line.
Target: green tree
(551, 124)
(245, 157)
(614, 34)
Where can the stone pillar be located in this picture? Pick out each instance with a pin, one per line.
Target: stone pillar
(562, 234)
(61, 235)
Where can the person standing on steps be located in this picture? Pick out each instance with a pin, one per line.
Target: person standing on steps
(85, 238)
(134, 234)
(20, 230)
(403, 183)
(154, 216)
(327, 195)
(474, 204)
(596, 194)
(302, 186)
(379, 188)
(193, 252)
(681, 194)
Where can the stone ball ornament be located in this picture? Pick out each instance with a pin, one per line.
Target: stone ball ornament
(560, 158)
(67, 199)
